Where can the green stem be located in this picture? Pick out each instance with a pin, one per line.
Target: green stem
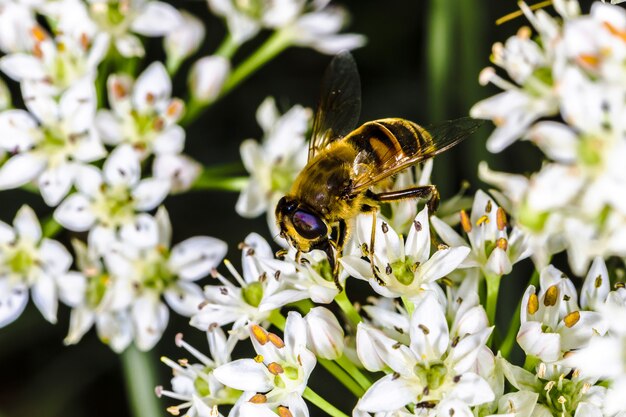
(352, 370)
(408, 305)
(50, 227)
(303, 306)
(277, 320)
(342, 376)
(139, 375)
(226, 184)
(227, 48)
(507, 345)
(274, 45)
(322, 404)
(348, 308)
(493, 287)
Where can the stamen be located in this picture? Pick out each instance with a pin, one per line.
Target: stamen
(482, 219)
(598, 282)
(423, 328)
(235, 274)
(259, 334)
(259, 358)
(275, 368)
(571, 319)
(465, 221)
(276, 340)
(173, 410)
(384, 227)
(283, 411)
(533, 304)
(195, 352)
(501, 219)
(551, 296)
(258, 399)
(502, 243)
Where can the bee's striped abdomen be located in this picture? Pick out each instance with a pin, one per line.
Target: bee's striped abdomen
(381, 139)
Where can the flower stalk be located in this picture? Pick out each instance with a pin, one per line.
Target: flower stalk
(322, 404)
(139, 374)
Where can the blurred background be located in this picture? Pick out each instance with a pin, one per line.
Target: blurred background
(421, 62)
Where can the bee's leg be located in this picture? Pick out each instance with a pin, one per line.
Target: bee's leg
(331, 255)
(424, 191)
(298, 257)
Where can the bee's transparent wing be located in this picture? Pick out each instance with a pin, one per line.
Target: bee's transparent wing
(435, 139)
(339, 106)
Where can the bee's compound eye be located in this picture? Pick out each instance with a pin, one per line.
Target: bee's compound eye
(308, 225)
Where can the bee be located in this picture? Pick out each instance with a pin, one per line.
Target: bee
(345, 163)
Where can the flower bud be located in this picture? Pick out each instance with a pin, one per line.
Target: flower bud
(207, 77)
(325, 335)
(183, 41)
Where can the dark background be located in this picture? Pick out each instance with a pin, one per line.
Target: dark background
(421, 62)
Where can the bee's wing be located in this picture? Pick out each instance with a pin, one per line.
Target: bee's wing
(340, 103)
(434, 140)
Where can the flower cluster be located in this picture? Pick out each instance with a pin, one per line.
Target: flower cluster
(573, 69)
(103, 144)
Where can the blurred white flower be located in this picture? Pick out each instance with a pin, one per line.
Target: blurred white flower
(273, 164)
(110, 203)
(402, 268)
(305, 23)
(279, 373)
(29, 261)
(122, 19)
(324, 333)
(194, 383)
(180, 170)
(143, 113)
(435, 370)
(183, 41)
(133, 282)
(17, 21)
(51, 142)
(207, 76)
(494, 250)
(55, 63)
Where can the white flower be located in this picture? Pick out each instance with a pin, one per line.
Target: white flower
(194, 383)
(143, 113)
(207, 76)
(493, 249)
(324, 333)
(552, 324)
(273, 164)
(28, 261)
(183, 41)
(51, 142)
(279, 373)
(228, 303)
(17, 21)
(180, 170)
(137, 278)
(304, 23)
(55, 63)
(434, 371)
(144, 17)
(402, 268)
(111, 201)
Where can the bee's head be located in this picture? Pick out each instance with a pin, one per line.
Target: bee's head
(300, 225)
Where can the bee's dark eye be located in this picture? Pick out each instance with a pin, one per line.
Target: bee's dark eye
(308, 225)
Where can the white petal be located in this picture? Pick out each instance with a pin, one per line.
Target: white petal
(129, 46)
(442, 263)
(13, 300)
(418, 240)
(157, 19)
(449, 236)
(88, 147)
(78, 105)
(141, 233)
(429, 329)
(149, 193)
(20, 169)
(172, 140)
(184, 298)
(472, 390)
(180, 170)
(245, 375)
(55, 183)
(75, 213)
(207, 77)
(88, 180)
(109, 128)
(388, 394)
(115, 329)
(252, 201)
(195, 257)
(44, 295)
(22, 66)
(150, 318)
(122, 167)
(72, 288)
(152, 87)
(55, 258)
(27, 225)
(546, 346)
(18, 129)
(81, 320)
